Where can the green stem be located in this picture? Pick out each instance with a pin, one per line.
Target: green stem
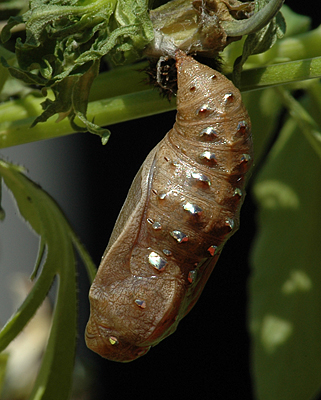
(314, 91)
(280, 74)
(105, 112)
(17, 116)
(121, 80)
(304, 120)
(254, 23)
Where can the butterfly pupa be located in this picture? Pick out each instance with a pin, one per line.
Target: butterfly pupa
(183, 205)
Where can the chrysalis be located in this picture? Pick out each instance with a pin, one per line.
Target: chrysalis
(183, 205)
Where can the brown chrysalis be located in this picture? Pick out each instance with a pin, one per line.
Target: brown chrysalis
(183, 205)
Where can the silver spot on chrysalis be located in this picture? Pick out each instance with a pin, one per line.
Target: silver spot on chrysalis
(179, 236)
(242, 129)
(191, 276)
(156, 226)
(204, 111)
(208, 157)
(201, 178)
(237, 192)
(229, 223)
(229, 98)
(156, 261)
(193, 209)
(140, 303)
(208, 134)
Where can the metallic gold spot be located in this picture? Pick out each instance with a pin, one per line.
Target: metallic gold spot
(113, 340)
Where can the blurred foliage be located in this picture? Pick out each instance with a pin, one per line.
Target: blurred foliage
(56, 258)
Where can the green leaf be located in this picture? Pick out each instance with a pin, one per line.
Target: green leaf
(285, 287)
(6, 31)
(299, 45)
(65, 42)
(3, 365)
(264, 107)
(45, 217)
(55, 376)
(4, 73)
(90, 266)
(295, 23)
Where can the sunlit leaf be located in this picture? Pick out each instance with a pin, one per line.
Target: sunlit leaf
(285, 287)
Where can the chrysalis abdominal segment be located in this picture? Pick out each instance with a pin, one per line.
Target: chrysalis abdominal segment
(183, 205)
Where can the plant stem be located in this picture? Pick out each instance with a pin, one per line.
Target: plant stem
(122, 108)
(280, 74)
(17, 116)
